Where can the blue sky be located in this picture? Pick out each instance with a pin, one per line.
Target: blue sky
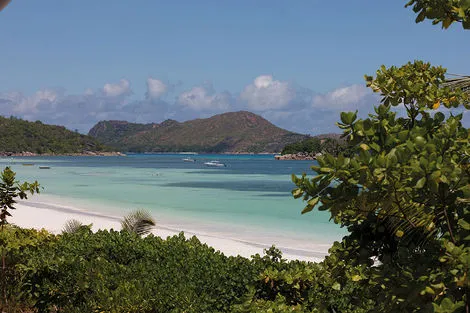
(297, 63)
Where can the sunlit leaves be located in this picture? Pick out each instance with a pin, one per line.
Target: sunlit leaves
(427, 90)
(10, 189)
(403, 189)
(445, 12)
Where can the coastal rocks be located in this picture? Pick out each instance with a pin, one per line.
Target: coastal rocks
(24, 153)
(300, 156)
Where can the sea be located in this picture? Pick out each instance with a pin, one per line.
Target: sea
(248, 200)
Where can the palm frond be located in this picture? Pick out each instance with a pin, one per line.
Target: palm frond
(72, 226)
(139, 222)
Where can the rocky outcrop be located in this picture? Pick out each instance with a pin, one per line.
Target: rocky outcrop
(24, 153)
(301, 156)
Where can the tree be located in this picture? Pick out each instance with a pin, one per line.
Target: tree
(403, 193)
(10, 189)
(442, 11)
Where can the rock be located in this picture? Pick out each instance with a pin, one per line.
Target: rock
(300, 156)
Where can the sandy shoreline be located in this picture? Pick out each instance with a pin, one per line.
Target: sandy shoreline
(52, 217)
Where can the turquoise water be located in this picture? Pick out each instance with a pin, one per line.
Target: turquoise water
(249, 199)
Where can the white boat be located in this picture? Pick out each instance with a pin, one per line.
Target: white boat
(189, 160)
(215, 164)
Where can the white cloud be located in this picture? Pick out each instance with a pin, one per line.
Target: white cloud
(342, 98)
(24, 104)
(265, 93)
(284, 104)
(199, 98)
(119, 89)
(155, 88)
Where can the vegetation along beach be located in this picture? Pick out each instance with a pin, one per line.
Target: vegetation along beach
(255, 169)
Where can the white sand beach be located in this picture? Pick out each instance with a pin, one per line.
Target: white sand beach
(52, 217)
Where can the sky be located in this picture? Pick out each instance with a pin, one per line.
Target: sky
(296, 63)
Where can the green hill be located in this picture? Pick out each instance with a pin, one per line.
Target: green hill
(229, 132)
(18, 135)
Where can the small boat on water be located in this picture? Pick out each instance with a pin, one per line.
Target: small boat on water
(215, 164)
(189, 160)
(28, 164)
(44, 167)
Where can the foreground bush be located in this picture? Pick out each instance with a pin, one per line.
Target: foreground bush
(114, 271)
(111, 271)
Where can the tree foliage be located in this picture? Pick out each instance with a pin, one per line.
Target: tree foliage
(315, 145)
(442, 11)
(10, 190)
(111, 271)
(17, 135)
(403, 194)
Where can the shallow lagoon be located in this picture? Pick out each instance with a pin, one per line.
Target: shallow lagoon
(249, 200)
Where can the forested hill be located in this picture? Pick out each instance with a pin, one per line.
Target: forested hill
(229, 132)
(18, 136)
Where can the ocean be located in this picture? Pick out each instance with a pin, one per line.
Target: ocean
(249, 200)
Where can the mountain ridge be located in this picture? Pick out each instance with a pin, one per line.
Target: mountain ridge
(236, 132)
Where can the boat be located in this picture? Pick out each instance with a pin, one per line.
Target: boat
(215, 164)
(28, 164)
(44, 167)
(189, 160)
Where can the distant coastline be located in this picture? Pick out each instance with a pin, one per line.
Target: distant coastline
(84, 153)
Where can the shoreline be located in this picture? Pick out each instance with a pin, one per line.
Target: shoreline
(114, 153)
(53, 216)
(84, 153)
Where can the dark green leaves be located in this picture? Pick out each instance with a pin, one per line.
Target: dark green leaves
(348, 117)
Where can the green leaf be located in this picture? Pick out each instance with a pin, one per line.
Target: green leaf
(420, 183)
(307, 209)
(447, 22)
(297, 193)
(429, 290)
(336, 286)
(464, 224)
(348, 117)
(356, 278)
(313, 201)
